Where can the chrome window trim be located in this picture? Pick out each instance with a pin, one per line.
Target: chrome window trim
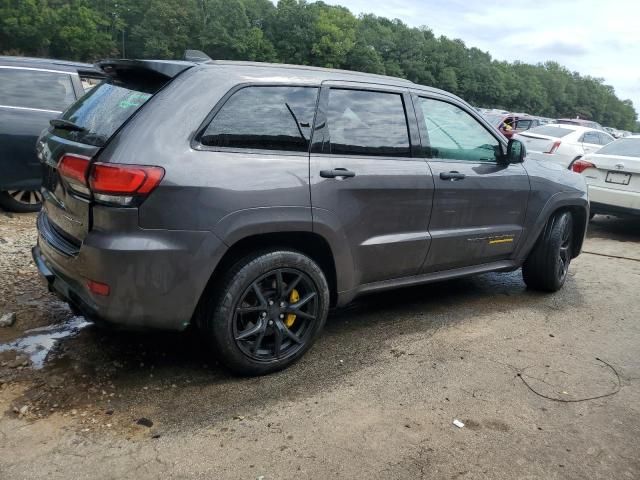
(31, 109)
(37, 69)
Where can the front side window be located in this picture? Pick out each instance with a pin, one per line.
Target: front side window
(264, 118)
(367, 123)
(37, 89)
(451, 133)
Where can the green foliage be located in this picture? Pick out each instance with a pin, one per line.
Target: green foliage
(294, 31)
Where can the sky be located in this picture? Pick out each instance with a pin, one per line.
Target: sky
(593, 37)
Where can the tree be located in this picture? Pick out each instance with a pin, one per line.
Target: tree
(295, 31)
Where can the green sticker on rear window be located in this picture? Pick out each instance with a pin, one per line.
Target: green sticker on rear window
(134, 100)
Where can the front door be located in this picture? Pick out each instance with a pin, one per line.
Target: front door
(479, 202)
(367, 180)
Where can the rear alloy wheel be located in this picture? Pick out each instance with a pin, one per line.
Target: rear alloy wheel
(21, 201)
(271, 308)
(548, 263)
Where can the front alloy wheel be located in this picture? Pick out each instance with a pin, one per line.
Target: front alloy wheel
(547, 265)
(564, 251)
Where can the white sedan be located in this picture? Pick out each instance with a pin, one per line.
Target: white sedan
(613, 176)
(562, 144)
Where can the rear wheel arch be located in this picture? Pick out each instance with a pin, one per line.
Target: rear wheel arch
(308, 243)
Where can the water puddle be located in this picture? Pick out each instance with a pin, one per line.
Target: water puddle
(38, 342)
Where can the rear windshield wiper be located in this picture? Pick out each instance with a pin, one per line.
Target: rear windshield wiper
(66, 125)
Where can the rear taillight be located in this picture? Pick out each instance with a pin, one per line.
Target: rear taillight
(554, 147)
(124, 179)
(580, 165)
(74, 170)
(109, 183)
(120, 184)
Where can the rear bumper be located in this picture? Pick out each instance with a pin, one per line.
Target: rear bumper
(156, 278)
(615, 202)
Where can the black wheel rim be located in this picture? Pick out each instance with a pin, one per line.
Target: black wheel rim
(276, 315)
(26, 197)
(564, 253)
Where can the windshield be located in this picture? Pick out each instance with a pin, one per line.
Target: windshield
(106, 108)
(556, 132)
(625, 147)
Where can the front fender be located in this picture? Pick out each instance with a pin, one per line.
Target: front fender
(561, 200)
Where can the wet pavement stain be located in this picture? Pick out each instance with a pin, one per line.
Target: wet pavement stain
(37, 343)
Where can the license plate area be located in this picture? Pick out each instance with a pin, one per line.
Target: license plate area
(619, 178)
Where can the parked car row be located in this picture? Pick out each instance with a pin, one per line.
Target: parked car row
(510, 123)
(562, 143)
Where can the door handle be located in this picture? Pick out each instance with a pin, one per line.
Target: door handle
(337, 172)
(453, 176)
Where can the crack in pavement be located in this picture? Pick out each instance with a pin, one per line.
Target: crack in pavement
(612, 256)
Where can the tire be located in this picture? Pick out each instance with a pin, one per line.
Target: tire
(252, 319)
(21, 201)
(547, 265)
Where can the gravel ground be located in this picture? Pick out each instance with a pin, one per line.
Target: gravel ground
(375, 398)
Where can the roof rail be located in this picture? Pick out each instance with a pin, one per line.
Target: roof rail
(196, 56)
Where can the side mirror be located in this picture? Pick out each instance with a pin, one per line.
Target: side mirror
(516, 151)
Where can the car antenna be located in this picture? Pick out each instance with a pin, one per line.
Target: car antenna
(196, 56)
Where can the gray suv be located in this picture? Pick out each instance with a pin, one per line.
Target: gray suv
(246, 199)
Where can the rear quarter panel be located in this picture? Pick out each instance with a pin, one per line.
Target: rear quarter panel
(204, 189)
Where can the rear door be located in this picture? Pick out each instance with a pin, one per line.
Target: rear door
(29, 98)
(367, 181)
(92, 121)
(479, 202)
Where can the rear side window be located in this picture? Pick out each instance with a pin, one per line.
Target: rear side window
(557, 132)
(626, 147)
(367, 123)
(37, 89)
(264, 118)
(105, 108)
(591, 137)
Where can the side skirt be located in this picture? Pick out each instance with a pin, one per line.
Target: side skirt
(500, 266)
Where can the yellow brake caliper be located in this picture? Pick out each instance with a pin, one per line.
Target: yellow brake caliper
(291, 317)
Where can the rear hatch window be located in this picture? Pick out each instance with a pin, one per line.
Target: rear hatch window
(74, 142)
(556, 132)
(105, 108)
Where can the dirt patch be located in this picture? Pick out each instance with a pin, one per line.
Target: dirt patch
(374, 398)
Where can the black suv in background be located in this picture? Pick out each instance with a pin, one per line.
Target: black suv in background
(247, 198)
(32, 91)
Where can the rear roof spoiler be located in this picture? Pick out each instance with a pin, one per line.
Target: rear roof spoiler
(197, 56)
(164, 68)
